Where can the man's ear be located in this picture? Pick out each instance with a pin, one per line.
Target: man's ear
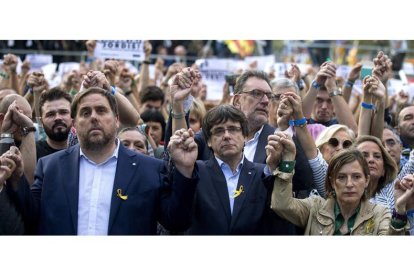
(236, 101)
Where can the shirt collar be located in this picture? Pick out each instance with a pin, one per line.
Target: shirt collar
(114, 154)
(222, 163)
(339, 219)
(257, 134)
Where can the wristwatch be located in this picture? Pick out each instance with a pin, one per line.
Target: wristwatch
(27, 130)
(336, 92)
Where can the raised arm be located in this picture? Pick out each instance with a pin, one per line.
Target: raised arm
(325, 71)
(127, 113)
(127, 84)
(283, 203)
(342, 111)
(383, 71)
(10, 65)
(14, 122)
(144, 70)
(37, 83)
(372, 101)
(24, 75)
(180, 91)
(352, 77)
(316, 162)
(294, 75)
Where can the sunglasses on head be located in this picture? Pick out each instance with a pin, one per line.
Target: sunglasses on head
(335, 142)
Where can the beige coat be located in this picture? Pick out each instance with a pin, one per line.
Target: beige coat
(316, 214)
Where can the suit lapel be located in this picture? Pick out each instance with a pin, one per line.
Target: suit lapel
(70, 182)
(220, 185)
(246, 177)
(126, 167)
(260, 154)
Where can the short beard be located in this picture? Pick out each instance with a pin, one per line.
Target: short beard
(254, 123)
(59, 136)
(99, 144)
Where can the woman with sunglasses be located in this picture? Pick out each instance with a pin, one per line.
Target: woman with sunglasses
(346, 209)
(334, 139)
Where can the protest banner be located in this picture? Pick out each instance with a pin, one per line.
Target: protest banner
(37, 61)
(120, 49)
(263, 62)
(213, 73)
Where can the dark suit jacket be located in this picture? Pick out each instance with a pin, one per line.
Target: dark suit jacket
(211, 209)
(53, 201)
(11, 223)
(303, 178)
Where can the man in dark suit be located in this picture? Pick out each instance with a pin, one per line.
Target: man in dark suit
(252, 95)
(100, 188)
(231, 197)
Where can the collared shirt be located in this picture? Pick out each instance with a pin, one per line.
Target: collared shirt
(339, 220)
(96, 182)
(231, 179)
(251, 145)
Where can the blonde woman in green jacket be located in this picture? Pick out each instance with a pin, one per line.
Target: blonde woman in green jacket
(346, 209)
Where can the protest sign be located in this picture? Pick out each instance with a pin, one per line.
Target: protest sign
(37, 61)
(65, 67)
(213, 73)
(120, 49)
(263, 62)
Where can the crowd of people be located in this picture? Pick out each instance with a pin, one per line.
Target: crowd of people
(112, 152)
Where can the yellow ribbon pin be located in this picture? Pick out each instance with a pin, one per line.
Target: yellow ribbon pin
(238, 192)
(119, 194)
(370, 226)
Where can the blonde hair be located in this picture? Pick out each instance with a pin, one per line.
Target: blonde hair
(390, 167)
(198, 110)
(330, 131)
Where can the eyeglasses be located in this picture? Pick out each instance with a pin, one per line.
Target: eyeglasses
(335, 142)
(259, 94)
(219, 131)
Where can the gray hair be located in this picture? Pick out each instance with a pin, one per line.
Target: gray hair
(284, 83)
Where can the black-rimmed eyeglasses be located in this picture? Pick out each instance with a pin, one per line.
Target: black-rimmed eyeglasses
(259, 94)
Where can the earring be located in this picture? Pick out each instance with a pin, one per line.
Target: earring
(333, 194)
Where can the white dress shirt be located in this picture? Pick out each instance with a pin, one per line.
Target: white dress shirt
(96, 182)
(231, 179)
(251, 145)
